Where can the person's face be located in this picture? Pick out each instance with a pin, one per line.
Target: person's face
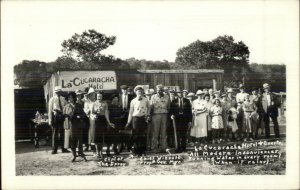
(179, 94)
(124, 91)
(139, 93)
(267, 90)
(172, 95)
(91, 96)
(218, 102)
(207, 98)
(247, 97)
(160, 91)
(184, 94)
(99, 96)
(79, 97)
(70, 99)
(210, 91)
(199, 96)
(217, 95)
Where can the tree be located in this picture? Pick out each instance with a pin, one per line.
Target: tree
(88, 45)
(220, 53)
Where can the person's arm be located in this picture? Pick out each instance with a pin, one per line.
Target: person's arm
(130, 114)
(50, 113)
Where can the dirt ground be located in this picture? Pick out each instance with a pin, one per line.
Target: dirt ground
(40, 162)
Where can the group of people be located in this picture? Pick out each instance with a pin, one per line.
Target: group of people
(157, 121)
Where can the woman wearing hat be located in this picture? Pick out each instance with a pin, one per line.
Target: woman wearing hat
(199, 127)
(102, 124)
(217, 121)
(191, 96)
(88, 109)
(74, 124)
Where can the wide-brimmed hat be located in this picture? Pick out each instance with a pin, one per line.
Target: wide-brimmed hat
(138, 87)
(223, 95)
(230, 90)
(123, 87)
(78, 92)
(217, 92)
(91, 90)
(185, 91)
(171, 91)
(57, 89)
(199, 92)
(160, 86)
(266, 85)
(191, 94)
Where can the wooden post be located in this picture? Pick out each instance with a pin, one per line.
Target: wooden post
(186, 81)
(214, 84)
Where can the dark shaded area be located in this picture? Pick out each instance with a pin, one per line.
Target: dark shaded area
(27, 102)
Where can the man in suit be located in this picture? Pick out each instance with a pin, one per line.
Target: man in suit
(56, 119)
(124, 102)
(181, 111)
(270, 105)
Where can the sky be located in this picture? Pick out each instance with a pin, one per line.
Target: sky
(155, 30)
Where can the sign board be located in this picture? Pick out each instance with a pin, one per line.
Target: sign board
(99, 80)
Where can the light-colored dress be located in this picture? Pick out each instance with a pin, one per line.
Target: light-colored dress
(199, 128)
(208, 106)
(68, 110)
(249, 122)
(88, 109)
(217, 121)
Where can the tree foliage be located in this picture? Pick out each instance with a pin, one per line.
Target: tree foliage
(88, 46)
(147, 64)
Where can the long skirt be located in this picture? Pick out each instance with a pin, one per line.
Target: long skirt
(91, 139)
(100, 129)
(200, 126)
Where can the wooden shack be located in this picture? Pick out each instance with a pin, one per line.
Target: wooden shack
(191, 80)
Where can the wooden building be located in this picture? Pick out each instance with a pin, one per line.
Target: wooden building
(191, 80)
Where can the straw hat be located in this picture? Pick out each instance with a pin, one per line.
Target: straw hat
(57, 89)
(191, 94)
(138, 87)
(78, 92)
(199, 92)
(91, 90)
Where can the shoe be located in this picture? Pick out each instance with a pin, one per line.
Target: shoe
(74, 158)
(65, 150)
(84, 158)
(54, 152)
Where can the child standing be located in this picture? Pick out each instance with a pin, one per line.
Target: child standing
(217, 121)
(249, 124)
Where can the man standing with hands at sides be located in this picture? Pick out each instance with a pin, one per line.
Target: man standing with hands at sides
(56, 119)
(240, 98)
(124, 102)
(270, 108)
(181, 112)
(160, 105)
(139, 116)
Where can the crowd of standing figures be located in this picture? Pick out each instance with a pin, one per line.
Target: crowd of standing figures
(142, 120)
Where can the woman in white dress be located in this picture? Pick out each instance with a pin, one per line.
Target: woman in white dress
(217, 121)
(199, 127)
(207, 103)
(88, 109)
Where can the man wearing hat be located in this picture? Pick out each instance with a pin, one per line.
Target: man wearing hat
(160, 105)
(56, 119)
(230, 97)
(139, 116)
(270, 105)
(185, 93)
(181, 112)
(211, 94)
(124, 101)
(240, 98)
(166, 91)
(191, 96)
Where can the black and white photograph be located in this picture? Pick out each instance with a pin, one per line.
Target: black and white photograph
(150, 94)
